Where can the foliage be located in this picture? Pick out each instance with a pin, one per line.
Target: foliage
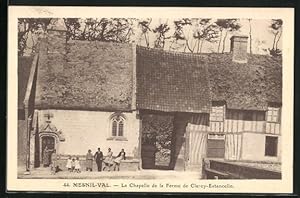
(100, 29)
(157, 130)
(226, 25)
(179, 34)
(32, 28)
(275, 52)
(161, 30)
(145, 27)
(203, 30)
(73, 28)
(276, 29)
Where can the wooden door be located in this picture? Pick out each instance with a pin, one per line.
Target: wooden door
(196, 148)
(49, 142)
(216, 146)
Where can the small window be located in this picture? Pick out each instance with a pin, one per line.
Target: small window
(271, 146)
(117, 126)
(217, 113)
(273, 114)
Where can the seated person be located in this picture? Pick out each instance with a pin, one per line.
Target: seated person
(121, 156)
(108, 161)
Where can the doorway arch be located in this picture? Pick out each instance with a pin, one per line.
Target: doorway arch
(48, 136)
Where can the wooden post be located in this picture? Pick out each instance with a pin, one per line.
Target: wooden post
(28, 129)
(187, 147)
(140, 140)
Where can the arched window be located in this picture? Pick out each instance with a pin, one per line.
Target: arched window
(117, 126)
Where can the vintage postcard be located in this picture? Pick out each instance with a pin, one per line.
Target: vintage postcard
(138, 99)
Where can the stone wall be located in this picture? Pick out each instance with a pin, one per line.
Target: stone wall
(83, 130)
(22, 137)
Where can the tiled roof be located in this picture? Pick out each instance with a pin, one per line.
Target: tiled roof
(248, 86)
(89, 75)
(171, 82)
(99, 75)
(168, 81)
(24, 67)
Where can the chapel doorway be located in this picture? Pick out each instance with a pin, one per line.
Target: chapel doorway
(50, 143)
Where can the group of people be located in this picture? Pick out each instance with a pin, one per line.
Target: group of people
(109, 162)
(73, 163)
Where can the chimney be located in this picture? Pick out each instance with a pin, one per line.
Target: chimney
(56, 44)
(238, 48)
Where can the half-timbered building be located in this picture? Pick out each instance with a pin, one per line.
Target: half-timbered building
(168, 110)
(224, 106)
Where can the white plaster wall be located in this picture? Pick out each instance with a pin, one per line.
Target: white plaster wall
(85, 130)
(253, 147)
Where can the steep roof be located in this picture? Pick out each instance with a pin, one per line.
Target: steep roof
(87, 75)
(24, 67)
(170, 81)
(245, 86)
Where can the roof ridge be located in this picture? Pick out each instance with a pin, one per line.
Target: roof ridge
(176, 53)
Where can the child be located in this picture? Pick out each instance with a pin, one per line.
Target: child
(73, 164)
(69, 164)
(77, 165)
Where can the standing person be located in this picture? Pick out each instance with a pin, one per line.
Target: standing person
(77, 165)
(99, 158)
(108, 159)
(89, 161)
(69, 164)
(73, 165)
(121, 156)
(54, 159)
(46, 156)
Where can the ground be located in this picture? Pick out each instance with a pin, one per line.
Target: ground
(44, 173)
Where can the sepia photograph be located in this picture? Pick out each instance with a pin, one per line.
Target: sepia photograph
(150, 98)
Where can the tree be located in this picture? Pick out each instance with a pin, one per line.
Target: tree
(73, 28)
(276, 29)
(161, 30)
(106, 29)
(250, 35)
(32, 28)
(226, 25)
(179, 33)
(145, 27)
(157, 131)
(205, 31)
